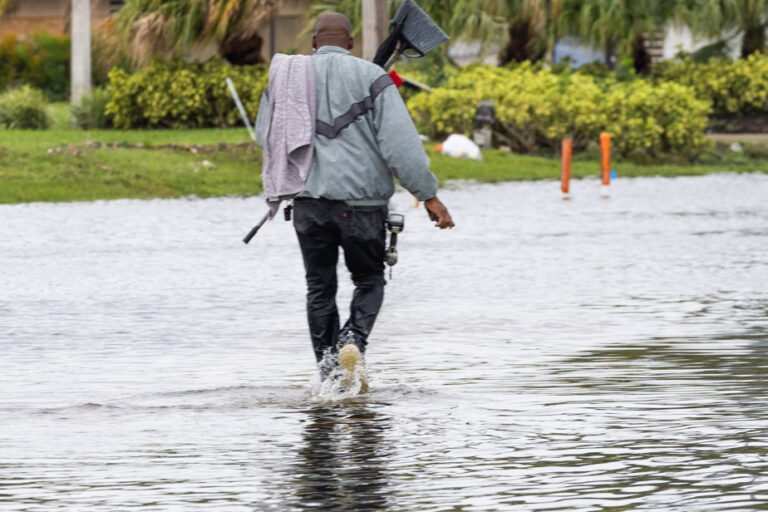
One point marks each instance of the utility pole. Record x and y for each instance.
(375, 25)
(80, 59)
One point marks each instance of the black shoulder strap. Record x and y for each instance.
(357, 109)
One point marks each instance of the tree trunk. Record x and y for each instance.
(640, 57)
(754, 40)
(375, 22)
(610, 55)
(80, 63)
(519, 47)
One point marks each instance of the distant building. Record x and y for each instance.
(52, 16)
(466, 53)
(283, 32)
(678, 38)
(663, 45)
(577, 53)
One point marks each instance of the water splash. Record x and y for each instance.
(340, 383)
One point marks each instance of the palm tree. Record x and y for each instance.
(478, 20)
(533, 29)
(616, 26)
(5, 5)
(730, 18)
(187, 27)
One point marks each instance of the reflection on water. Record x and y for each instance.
(341, 463)
(544, 355)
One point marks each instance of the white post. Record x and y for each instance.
(375, 24)
(81, 50)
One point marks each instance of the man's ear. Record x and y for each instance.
(351, 43)
(314, 42)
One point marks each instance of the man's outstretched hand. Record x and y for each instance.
(438, 213)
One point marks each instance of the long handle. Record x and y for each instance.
(252, 233)
(240, 107)
(392, 60)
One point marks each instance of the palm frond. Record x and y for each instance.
(173, 27)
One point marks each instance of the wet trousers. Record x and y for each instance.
(323, 226)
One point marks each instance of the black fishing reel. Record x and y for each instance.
(395, 224)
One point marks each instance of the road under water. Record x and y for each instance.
(590, 354)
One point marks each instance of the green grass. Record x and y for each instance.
(60, 115)
(59, 165)
(498, 166)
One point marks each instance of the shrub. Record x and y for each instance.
(734, 87)
(41, 61)
(533, 107)
(432, 69)
(537, 108)
(667, 117)
(23, 108)
(183, 95)
(109, 51)
(91, 114)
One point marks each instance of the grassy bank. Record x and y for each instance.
(68, 165)
(71, 165)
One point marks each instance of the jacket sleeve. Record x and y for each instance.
(262, 120)
(400, 145)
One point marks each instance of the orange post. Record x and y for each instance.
(605, 162)
(565, 166)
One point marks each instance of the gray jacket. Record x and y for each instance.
(364, 136)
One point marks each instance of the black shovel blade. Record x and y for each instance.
(417, 29)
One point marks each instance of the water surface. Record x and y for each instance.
(544, 355)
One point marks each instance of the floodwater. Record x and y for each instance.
(592, 354)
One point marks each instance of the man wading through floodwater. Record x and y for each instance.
(363, 139)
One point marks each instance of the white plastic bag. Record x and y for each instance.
(460, 146)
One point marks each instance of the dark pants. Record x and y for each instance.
(322, 227)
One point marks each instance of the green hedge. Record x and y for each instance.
(536, 109)
(41, 61)
(183, 95)
(734, 87)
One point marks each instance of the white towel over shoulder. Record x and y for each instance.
(290, 127)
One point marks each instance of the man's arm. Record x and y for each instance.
(400, 145)
(402, 149)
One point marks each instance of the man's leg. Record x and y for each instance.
(319, 241)
(363, 238)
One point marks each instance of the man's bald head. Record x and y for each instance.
(333, 29)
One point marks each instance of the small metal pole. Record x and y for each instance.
(565, 168)
(605, 163)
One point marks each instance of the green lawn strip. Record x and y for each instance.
(58, 165)
(28, 140)
(498, 166)
(117, 172)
